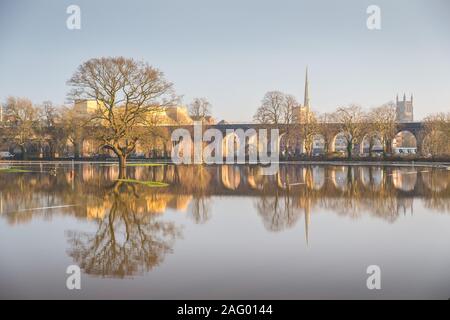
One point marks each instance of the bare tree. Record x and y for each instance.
(127, 92)
(288, 115)
(272, 109)
(73, 126)
(289, 120)
(49, 129)
(384, 124)
(351, 120)
(437, 134)
(21, 123)
(308, 129)
(326, 130)
(199, 109)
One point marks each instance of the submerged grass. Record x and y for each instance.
(135, 165)
(153, 184)
(144, 164)
(13, 170)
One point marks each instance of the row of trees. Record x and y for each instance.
(378, 125)
(45, 127)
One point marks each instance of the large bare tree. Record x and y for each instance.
(351, 122)
(127, 93)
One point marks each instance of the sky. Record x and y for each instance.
(233, 52)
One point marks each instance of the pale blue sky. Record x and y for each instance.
(232, 52)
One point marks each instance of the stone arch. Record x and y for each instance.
(377, 177)
(367, 147)
(230, 176)
(254, 178)
(340, 175)
(318, 144)
(433, 143)
(242, 144)
(364, 175)
(338, 143)
(405, 142)
(429, 147)
(88, 147)
(290, 176)
(404, 179)
(283, 144)
(318, 177)
(251, 147)
(231, 145)
(435, 180)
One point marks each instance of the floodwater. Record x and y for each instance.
(224, 232)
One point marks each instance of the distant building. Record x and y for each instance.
(3, 112)
(405, 110)
(166, 116)
(303, 113)
(85, 106)
(175, 115)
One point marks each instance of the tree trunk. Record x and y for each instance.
(349, 150)
(387, 147)
(51, 151)
(76, 150)
(122, 166)
(23, 150)
(325, 147)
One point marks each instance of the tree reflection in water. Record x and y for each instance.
(132, 238)
(126, 242)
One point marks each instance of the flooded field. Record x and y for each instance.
(225, 232)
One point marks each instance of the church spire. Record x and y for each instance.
(306, 101)
(307, 222)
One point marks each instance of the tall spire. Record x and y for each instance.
(307, 222)
(306, 101)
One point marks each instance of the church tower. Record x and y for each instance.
(306, 99)
(302, 113)
(405, 109)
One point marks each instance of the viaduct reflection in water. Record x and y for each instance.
(131, 237)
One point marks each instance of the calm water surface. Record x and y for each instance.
(225, 232)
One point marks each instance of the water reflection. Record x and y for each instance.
(128, 241)
(130, 238)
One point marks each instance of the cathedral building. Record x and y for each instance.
(405, 109)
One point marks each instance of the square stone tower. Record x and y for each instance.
(405, 110)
